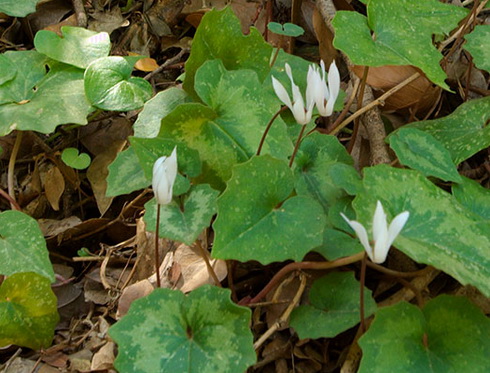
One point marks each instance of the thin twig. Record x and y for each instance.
(167, 63)
(379, 101)
(361, 293)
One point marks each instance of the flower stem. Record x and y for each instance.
(269, 125)
(361, 295)
(296, 147)
(157, 256)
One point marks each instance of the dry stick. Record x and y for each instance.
(210, 268)
(11, 167)
(157, 256)
(80, 13)
(269, 125)
(304, 265)
(379, 101)
(346, 107)
(167, 63)
(296, 147)
(285, 316)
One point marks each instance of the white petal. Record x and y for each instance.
(282, 93)
(361, 234)
(333, 87)
(396, 226)
(164, 174)
(380, 234)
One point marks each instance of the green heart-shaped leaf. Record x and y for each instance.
(36, 101)
(475, 44)
(168, 331)
(110, 86)
(22, 246)
(16, 8)
(449, 335)
(288, 29)
(256, 219)
(333, 308)
(186, 223)
(78, 161)
(28, 311)
(77, 46)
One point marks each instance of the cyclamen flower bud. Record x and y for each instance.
(164, 174)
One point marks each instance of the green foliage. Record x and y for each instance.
(229, 129)
(28, 311)
(473, 196)
(402, 34)
(464, 132)
(17, 8)
(169, 332)
(219, 36)
(36, 101)
(75, 160)
(257, 218)
(333, 308)
(184, 220)
(77, 46)
(126, 174)
(110, 86)
(449, 335)
(440, 232)
(22, 246)
(477, 44)
(288, 29)
(149, 120)
(421, 151)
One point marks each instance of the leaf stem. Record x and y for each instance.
(303, 265)
(210, 268)
(361, 293)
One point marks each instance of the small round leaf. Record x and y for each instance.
(75, 160)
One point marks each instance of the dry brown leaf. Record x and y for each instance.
(325, 39)
(130, 294)
(97, 174)
(104, 358)
(96, 135)
(70, 21)
(53, 227)
(107, 21)
(54, 186)
(420, 93)
(146, 64)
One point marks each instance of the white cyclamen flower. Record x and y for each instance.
(383, 236)
(164, 174)
(324, 95)
(302, 114)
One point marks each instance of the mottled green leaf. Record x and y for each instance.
(337, 244)
(8, 70)
(421, 151)
(439, 232)
(397, 32)
(473, 196)
(28, 311)
(229, 129)
(317, 155)
(150, 118)
(17, 8)
(464, 132)
(110, 86)
(450, 335)
(333, 308)
(184, 223)
(477, 44)
(22, 246)
(126, 174)
(256, 219)
(36, 101)
(77, 46)
(219, 36)
(203, 332)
